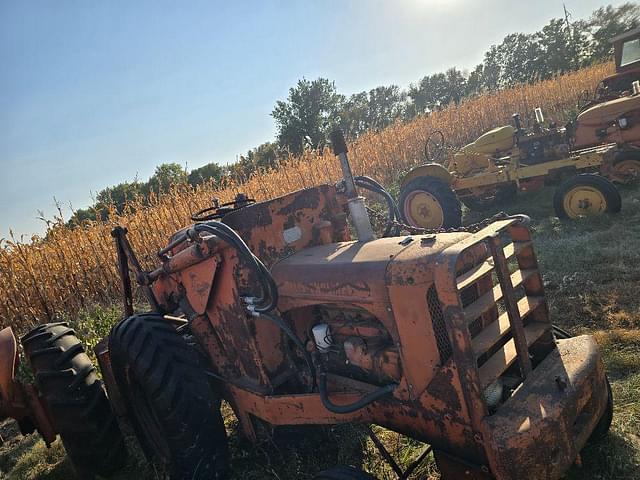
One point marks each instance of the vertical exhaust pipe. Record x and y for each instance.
(359, 215)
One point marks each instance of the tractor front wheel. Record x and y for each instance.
(586, 195)
(172, 408)
(75, 397)
(428, 202)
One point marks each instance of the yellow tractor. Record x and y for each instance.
(491, 170)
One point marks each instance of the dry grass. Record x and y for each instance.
(69, 270)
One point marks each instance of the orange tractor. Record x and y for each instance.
(276, 308)
(613, 114)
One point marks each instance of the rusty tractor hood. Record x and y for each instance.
(354, 271)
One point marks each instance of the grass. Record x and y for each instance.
(591, 275)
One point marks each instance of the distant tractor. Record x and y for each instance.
(277, 309)
(604, 139)
(613, 114)
(490, 171)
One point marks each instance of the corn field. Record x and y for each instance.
(73, 268)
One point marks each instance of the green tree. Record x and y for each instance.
(308, 114)
(561, 47)
(166, 175)
(372, 110)
(475, 81)
(118, 195)
(605, 23)
(206, 172)
(520, 56)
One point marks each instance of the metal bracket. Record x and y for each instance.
(402, 474)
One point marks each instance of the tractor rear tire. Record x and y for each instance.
(626, 166)
(344, 473)
(429, 202)
(586, 194)
(79, 407)
(172, 407)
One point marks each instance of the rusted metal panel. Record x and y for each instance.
(280, 227)
(17, 400)
(104, 361)
(538, 432)
(8, 361)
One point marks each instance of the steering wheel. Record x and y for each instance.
(585, 100)
(219, 211)
(434, 146)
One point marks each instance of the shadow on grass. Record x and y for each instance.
(614, 458)
(297, 452)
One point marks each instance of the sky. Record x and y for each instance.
(96, 93)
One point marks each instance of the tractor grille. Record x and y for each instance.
(438, 324)
(502, 298)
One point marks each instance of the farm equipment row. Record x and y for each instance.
(586, 157)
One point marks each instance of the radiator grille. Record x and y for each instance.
(439, 327)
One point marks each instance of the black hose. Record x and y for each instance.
(352, 407)
(269, 295)
(393, 213)
(279, 321)
(560, 333)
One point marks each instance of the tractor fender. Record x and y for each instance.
(428, 170)
(8, 362)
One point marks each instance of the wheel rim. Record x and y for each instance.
(583, 200)
(422, 209)
(627, 170)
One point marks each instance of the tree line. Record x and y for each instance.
(314, 107)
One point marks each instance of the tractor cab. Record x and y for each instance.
(627, 58)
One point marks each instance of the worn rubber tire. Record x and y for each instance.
(443, 193)
(79, 407)
(344, 473)
(172, 408)
(604, 424)
(606, 188)
(632, 156)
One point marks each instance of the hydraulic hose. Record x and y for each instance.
(393, 213)
(268, 299)
(279, 321)
(352, 407)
